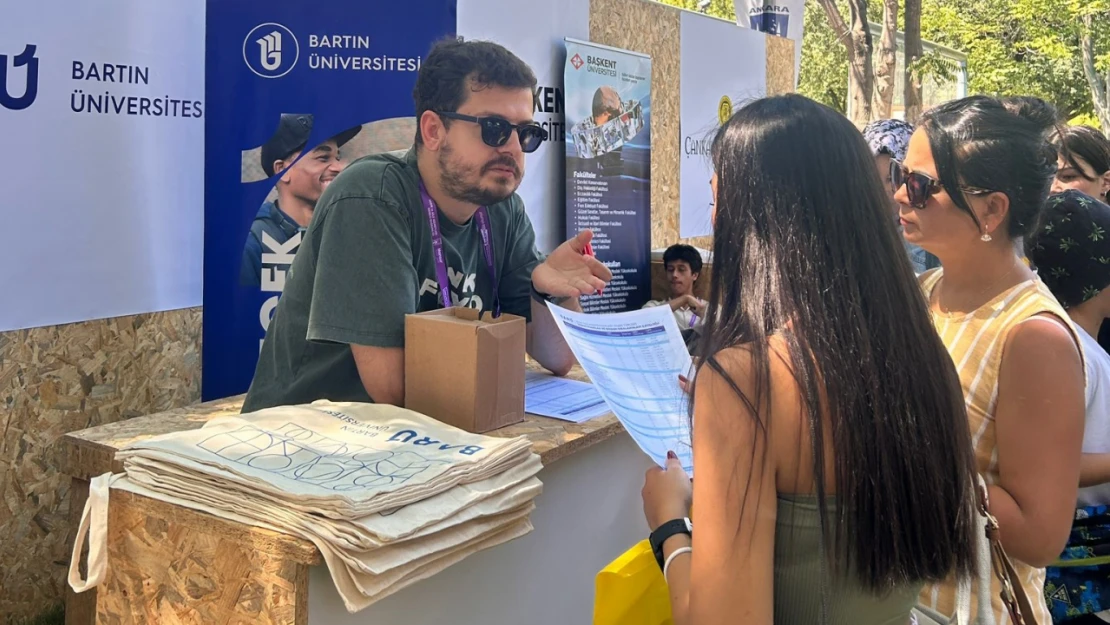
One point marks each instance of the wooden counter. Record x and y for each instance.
(168, 564)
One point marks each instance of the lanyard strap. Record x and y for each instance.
(484, 230)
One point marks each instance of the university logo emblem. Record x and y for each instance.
(31, 84)
(724, 109)
(270, 50)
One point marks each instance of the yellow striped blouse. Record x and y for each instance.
(975, 341)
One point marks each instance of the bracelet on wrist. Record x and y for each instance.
(670, 558)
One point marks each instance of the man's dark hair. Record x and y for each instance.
(685, 253)
(454, 67)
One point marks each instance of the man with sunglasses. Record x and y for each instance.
(438, 226)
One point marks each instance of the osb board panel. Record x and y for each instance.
(780, 65)
(652, 29)
(91, 452)
(60, 379)
(168, 565)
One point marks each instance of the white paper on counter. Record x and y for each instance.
(550, 396)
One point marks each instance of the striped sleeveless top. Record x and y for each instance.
(975, 341)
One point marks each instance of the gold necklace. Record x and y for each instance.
(992, 285)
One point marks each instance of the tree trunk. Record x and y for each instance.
(1100, 85)
(888, 62)
(913, 52)
(857, 41)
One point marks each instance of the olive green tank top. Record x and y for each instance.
(799, 572)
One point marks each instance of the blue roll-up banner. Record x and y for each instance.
(608, 122)
(294, 93)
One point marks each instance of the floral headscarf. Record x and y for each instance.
(1071, 247)
(888, 136)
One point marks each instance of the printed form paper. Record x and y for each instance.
(634, 360)
(559, 398)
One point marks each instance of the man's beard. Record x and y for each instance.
(453, 178)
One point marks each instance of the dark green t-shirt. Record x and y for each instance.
(366, 262)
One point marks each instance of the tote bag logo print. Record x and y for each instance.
(31, 85)
(303, 455)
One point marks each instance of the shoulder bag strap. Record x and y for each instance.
(1013, 593)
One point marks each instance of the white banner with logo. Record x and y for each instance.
(534, 31)
(102, 121)
(783, 18)
(722, 67)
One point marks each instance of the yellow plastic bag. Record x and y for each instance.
(632, 591)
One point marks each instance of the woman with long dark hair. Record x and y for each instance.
(975, 178)
(832, 458)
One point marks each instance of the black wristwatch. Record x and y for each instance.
(665, 531)
(544, 297)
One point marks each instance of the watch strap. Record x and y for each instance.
(665, 531)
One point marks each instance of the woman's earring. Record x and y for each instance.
(986, 238)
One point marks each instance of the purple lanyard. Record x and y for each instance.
(482, 216)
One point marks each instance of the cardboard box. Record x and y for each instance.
(464, 370)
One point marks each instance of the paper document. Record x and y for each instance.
(559, 398)
(634, 360)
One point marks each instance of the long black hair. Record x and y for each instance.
(803, 238)
(982, 142)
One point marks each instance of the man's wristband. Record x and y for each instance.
(544, 297)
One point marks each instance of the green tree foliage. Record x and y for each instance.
(1020, 47)
(1014, 47)
(723, 9)
(824, 74)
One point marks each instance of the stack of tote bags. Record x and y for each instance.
(388, 496)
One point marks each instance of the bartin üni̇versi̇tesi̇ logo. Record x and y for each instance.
(271, 50)
(31, 84)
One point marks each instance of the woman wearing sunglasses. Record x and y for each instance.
(974, 179)
(830, 444)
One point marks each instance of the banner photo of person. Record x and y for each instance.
(297, 94)
(608, 120)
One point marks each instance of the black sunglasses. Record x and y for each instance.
(496, 131)
(920, 187)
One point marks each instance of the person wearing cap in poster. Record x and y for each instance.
(299, 187)
(437, 227)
